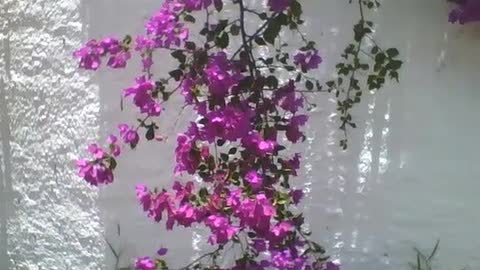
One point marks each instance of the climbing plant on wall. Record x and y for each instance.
(246, 118)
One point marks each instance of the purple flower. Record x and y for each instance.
(259, 245)
(278, 5)
(188, 87)
(287, 260)
(193, 5)
(187, 157)
(307, 61)
(466, 12)
(94, 173)
(222, 230)
(141, 92)
(254, 179)
(164, 25)
(331, 266)
(286, 98)
(119, 60)
(143, 196)
(162, 251)
(89, 55)
(129, 135)
(296, 195)
(293, 129)
(230, 123)
(257, 144)
(218, 76)
(280, 231)
(145, 263)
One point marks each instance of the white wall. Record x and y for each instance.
(53, 220)
(409, 177)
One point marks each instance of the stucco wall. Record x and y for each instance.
(52, 109)
(409, 177)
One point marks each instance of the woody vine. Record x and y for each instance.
(243, 111)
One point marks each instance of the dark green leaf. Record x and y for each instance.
(235, 29)
(309, 85)
(189, 18)
(222, 40)
(392, 52)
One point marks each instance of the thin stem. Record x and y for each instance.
(201, 257)
(244, 38)
(264, 25)
(352, 77)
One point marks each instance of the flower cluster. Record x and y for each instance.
(90, 55)
(100, 169)
(235, 145)
(467, 11)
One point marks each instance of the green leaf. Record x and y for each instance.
(309, 85)
(235, 30)
(296, 9)
(176, 74)
(224, 157)
(232, 151)
(112, 163)
(272, 31)
(150, 135)
(203, 194)
(392, 52)
(189, 18)
(317, 248)
(127, 40)
(189, 45)
(274, 27)
(395, 64)
(178, 54)
(260, 41)
(222, 40)
(271, 82)
(380, 58)
(221, 26)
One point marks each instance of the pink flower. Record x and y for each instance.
(141, 92)
(257, 144)
(187, 156)
(129, 135)
(144, 197)
(186, 215)
(280, 231)
(278, 5)
(230, 123)
(222, 230)
(254, 179)
(218, 76)
(145, 263)
(164, 26)
(91, 53)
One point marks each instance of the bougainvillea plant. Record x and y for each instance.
(246, 118)
(466, 11)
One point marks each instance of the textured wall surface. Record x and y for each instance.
(409, 177)
(53, 220)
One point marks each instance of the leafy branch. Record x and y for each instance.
(348, 87)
